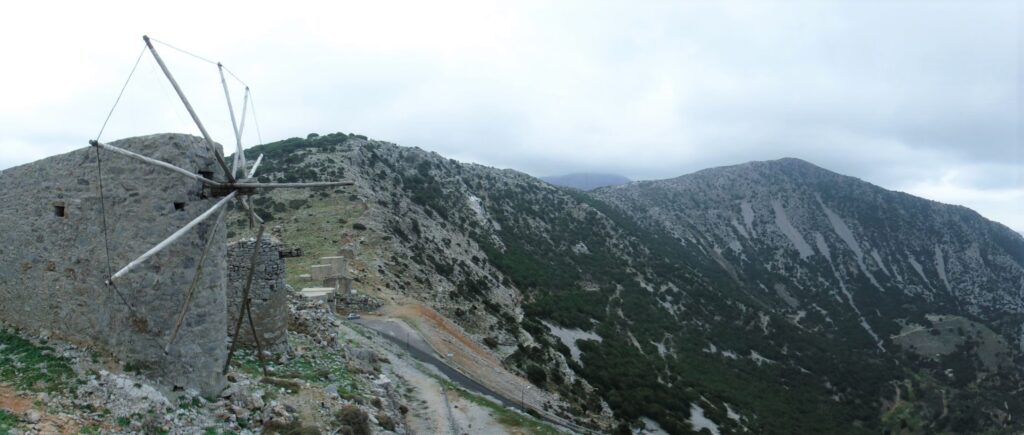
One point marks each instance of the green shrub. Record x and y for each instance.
(536, 375)
(355, 419)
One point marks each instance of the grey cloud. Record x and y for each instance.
(901, 94)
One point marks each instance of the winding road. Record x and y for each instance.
(417, 347)
(420, 350)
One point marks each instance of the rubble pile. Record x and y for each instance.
(320, 385)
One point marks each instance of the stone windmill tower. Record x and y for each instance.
(238, 184)
(155, 204)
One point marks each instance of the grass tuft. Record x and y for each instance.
(28, 367)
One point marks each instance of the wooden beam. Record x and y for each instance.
(195, 281)
(291, 185)
(234, 123)
(248, 208)
(156, 162)
(241, 128)
(255, 336)
(172, 238)
(245, 297)
(252, 172)
(191, 111)
(252, 213)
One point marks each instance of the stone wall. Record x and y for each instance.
(53, 266)
(268, 293)
(347, 302)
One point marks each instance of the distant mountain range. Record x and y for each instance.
(765, 297)
(586, 181)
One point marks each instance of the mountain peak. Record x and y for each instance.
(791, 169)
(786, 163)
(791, 161)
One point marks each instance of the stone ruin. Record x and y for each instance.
(336, 280)
(53, 264)
(287, 251)
(268, 293)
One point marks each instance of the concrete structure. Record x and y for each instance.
(339, 266)
(320, 272)
(339, 278)
(53, 266)
(268, 293)
(323, 293)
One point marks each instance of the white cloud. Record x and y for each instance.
(970, 186)
(889, 92)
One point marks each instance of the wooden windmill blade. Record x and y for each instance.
(155, 162)
(252, 172)
(237, 187)
(245, 185)
(231, 113)
(197, 276)
(172, 238)
(191, 111)
(195, 281)
(251, 212)
(241, 127)
(244, 309)
(236, 125)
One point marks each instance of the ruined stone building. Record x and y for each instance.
(53, 261)
(268, 293)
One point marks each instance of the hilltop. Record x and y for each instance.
(768, 296)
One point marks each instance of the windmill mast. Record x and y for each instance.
(237, 188)
(191, 111)
(239, 156)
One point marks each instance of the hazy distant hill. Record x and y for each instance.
(767, 297)
(586, 181)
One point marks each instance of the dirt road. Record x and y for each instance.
(515, 393)
(419, 349)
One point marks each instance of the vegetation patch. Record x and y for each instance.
(318, 366)
(355, 420)
(943, 335)
(7, 422)
(504, 415)
(315, 227)
(28, 367)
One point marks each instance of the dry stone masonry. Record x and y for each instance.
(288, 251)
(53, 264)
(268, 292)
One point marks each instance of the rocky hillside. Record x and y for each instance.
(769, 297)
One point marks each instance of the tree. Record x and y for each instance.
(536, 375)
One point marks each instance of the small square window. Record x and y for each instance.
(206, 174)
(179, 206)
(58, 210)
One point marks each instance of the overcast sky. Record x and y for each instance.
(923, 97)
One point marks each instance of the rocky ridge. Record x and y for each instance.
(770, 296)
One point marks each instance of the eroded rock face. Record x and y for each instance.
(53, 265)
(268, 293)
